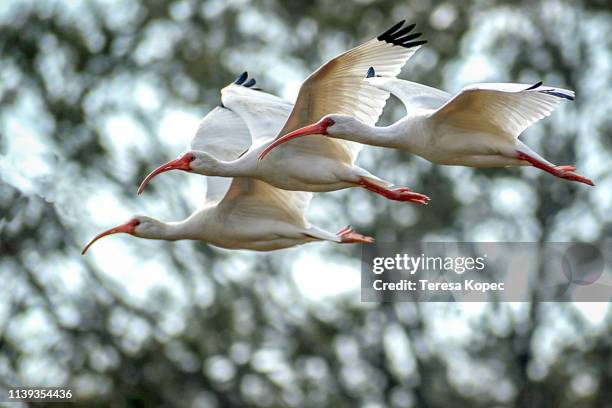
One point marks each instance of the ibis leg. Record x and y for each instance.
(564, 172)
(348, 236)
(397, 194)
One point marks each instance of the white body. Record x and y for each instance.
(446, 144)
(253, 220)
(303, 165)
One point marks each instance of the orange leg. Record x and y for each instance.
(348, 236)
(397, 194)
(564, 172)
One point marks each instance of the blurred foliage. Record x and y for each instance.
(221, 337)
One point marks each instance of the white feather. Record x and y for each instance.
(504, 109)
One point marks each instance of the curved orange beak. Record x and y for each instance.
(319, 128)
(181, 163)
(127, 228)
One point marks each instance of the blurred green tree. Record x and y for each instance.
(85, 91)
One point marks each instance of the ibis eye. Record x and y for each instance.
(330, 122)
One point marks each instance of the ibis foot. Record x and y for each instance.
(565, 172)
(397, 194)
(348, 236)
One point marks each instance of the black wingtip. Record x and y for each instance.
(558, 94)
(414, 44)
(241, 78)
(371, 72)
(391, 30)
(399, 36)
(553, 91)
(534, 86)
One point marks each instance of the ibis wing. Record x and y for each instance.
(247, 117)
(338, 85)
(263, 113)
(252, 198)
(503, 109)
(413, 96)
(224, 135)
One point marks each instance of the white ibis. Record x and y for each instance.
(238, 213)
(478, 127)
(313, 164)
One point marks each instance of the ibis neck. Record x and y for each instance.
(186, 229)
(234, 168)
(174, 231)
(384, 136)
(190, 228)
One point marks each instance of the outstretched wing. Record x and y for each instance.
(252, 198)
(263, 113)
(414, 97)
(338, 86)
(224, 135)
(228, 131)
(504, 109)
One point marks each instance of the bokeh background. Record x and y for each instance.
(94, 94)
